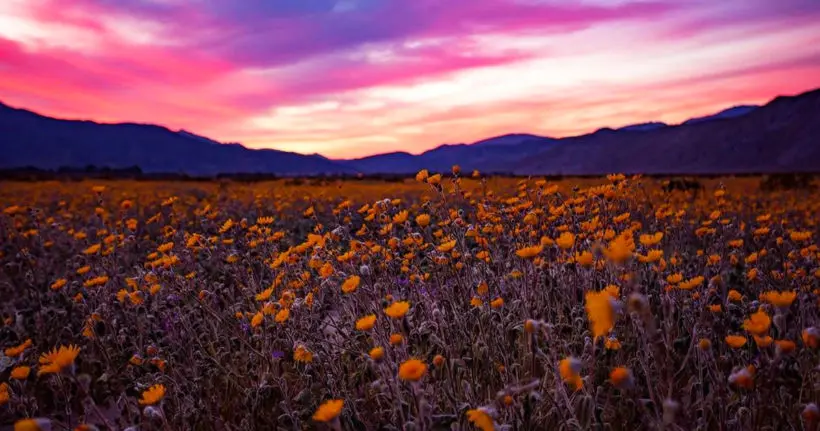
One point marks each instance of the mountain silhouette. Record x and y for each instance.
(780, 136)
(30, 139)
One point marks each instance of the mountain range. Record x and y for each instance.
(780, 136)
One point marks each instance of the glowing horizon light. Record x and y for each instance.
(358, 77)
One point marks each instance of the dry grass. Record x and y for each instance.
(251, 323)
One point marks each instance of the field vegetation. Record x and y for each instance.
(440, 302)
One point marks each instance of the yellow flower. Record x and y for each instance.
(620, 377)
(58, 360)
(376, 353)
(19, 349)
(758, 323)
(396, 339)
(264, 295)
(691, 283)
(569, 368)
(351, 284)
(20, 373)
(257, 319)
(423, 220)
(397, 310)
(566, 240)
(36, 424)
(302, 354)
(422, 175)
(282, 316)
(778, 299)
(328, 411)
(412, 370)
(366, 323)
(153, 395)
(529, 252)
(735, 341)
(481, 419)
(447, 246)
(599, 312)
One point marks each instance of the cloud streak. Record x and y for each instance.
(353, 77)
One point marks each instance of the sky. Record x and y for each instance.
(348, 78)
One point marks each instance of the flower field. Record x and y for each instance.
(441, 302)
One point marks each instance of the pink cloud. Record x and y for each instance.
(223, 68)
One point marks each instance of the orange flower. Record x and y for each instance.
(600, 312)
(620, 377)
(366, 323)
(481, 419)
(735, 341)
(351, 284)
(569, 368)
(153, 395)
(412, 370)
(329, 410)
(758, 323)
(20, 373)
(566, 240)
(529, 252)
(397, 310)
(778, 299)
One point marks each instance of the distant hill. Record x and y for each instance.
(781, 136)
(30, 139)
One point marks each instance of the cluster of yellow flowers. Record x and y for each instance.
(436, 301)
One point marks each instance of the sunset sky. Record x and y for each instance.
(347, 78)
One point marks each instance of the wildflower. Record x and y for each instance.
(264, 295)
(734, 296)
(566, 240)
(366, 323)
(476, 301)
(650, 240)
(412, 370)
(328, 411)
(351, 284)
(674, 278)
(58, 284)
(758, 323)
(434, 179)
(438, 360)
(302, 354)
(742, 378)
(497, 302)
(612, 343)
(811, 337)
(58, 359)
(396, 339)
(423, 220)
(20, 373)
(621, 377)
(397, 310)
(152, 395)
(785, 346)
(422, 175)
(779, 299)
(763, 342)
(569, 368)
(257, 319)
(691, 283)
(5, 395)
(529, 252)
(600, 312)
(36, 424)
(481, 419)
(376, 353)
(282, 316)
(18, 350)
(735, 341)
(447, 246)
(704, 344)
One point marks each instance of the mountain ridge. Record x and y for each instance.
(770, 137)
